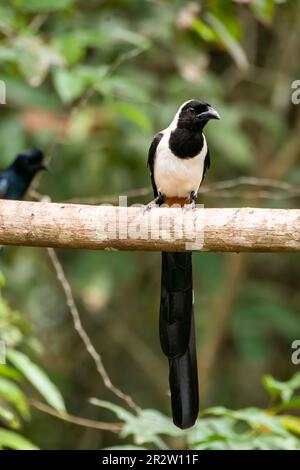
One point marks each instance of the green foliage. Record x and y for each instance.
(217, 428)
(14, 402)
(42, 5)
(283, 391)
(68, 85)
(37, 377)
(12, 393)
(265, 9)
(12, 440)
(144, 428)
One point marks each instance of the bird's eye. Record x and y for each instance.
(192, 111)
(202, 108)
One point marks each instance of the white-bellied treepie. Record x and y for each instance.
(178, 158)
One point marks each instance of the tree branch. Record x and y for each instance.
(87, 423)
(131, 228)
(84, 336)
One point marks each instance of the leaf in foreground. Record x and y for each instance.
(37, 377)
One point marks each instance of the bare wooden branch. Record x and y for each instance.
(160, 229)
(84, 336)
(87, 423)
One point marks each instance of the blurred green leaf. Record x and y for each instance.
(293, 403)
(264, 9)
(7, 54)
(230, 43)
(42, 5)
(148, 424)
(14, 395)
(22, 95)
(226, 433)
(284, 390)
(145, 427)
(73, 45)
(271, 442)
(120, 412)
(204, 31)
(122, 88)
(10, 372)
(37, 377)
(125, 447)
(8, 418)
(8, 19)
(254, 417)
(134, 114)
(12, 440)
(12, 127)
(69, 85)
(219, 434)
(291, 423)
(2, 279)
(208, 429)
(35, 58)
(229, 130)
(119, 33)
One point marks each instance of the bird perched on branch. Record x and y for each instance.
(16, 179)
(178, 159)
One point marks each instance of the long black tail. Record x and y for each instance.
(177, 336)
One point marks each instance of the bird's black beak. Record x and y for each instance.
(211, 113)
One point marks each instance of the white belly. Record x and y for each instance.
(177, 177)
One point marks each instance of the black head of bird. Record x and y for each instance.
(28, 163)
(195, 114)
(16, 179)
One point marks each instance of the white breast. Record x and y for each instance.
(177, 177)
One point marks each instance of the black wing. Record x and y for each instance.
(3, 187)
(151, 159)
(206, 163)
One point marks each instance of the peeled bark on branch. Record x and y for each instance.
(160, 229)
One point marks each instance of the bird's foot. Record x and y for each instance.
(192, 201)
(148, 207)
(190, 206)
(158, 201)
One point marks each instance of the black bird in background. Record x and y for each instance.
(178, 159)
(16, 179)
